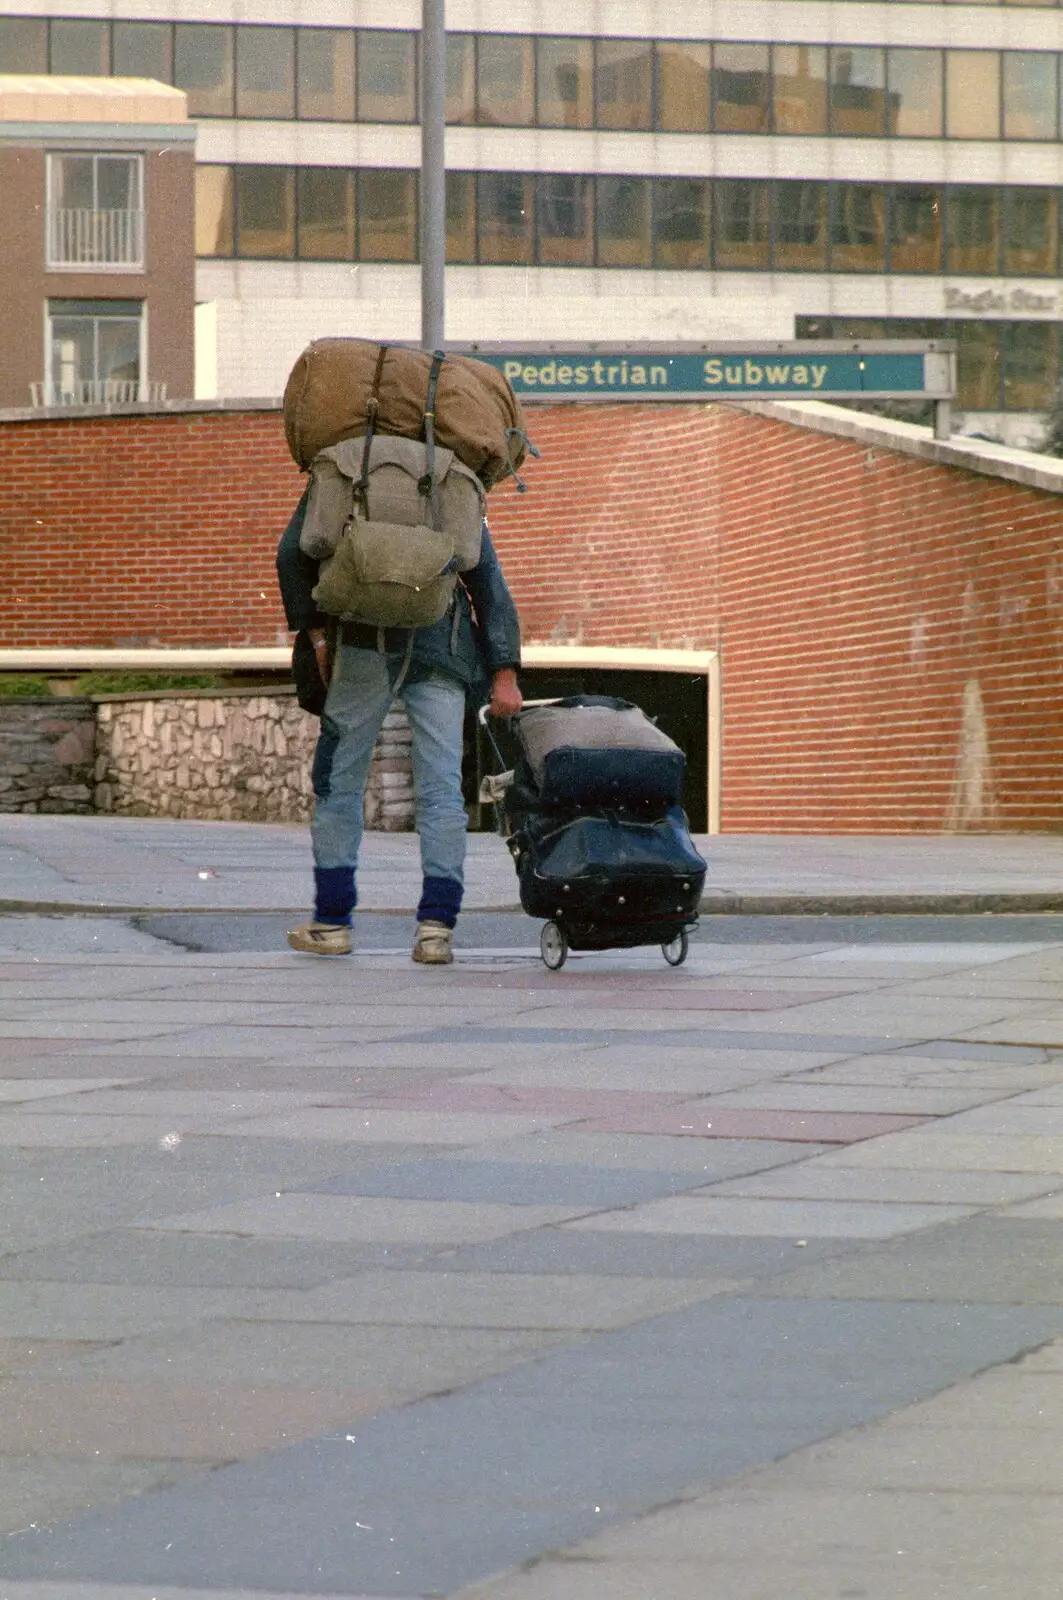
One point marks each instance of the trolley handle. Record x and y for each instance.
(483, 717)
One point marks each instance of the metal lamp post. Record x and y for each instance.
(433, 173)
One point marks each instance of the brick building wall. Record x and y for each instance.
(890, 626)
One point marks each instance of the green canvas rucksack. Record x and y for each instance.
(392, 521)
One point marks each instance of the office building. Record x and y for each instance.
(678, 169)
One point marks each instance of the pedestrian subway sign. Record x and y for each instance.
(800, 369)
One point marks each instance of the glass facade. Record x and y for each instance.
(566, 219)
(1001, 366)
(259, 71)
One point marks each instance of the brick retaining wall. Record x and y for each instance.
(889, 613)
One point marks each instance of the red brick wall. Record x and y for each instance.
(861, 598)
(143, 530)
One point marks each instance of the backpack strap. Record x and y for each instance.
(429, 484)
(361, 488)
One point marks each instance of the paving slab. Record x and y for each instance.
(21, 1090)
(154, 1591)
(702, 1071)
(113, 1311)
(638, 1255)
(94, 1418)
(519, 1183)
(592, 1434)
(647, 1152)
(984, 1259)
(705, 1119)
(377, 1125)
(39, 1489)
(498, 1299)
(136, 1256)
(807, 1095)
(397, 1363)
(362, 1220)
(933, 1148)
(823, 1219)
(808, 1180)
(582, 1578)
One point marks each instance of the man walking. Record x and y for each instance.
(474, 650)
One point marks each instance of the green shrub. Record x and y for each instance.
(139, 682)
(23, 686)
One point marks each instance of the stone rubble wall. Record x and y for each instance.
(241, 757)
(46, 755)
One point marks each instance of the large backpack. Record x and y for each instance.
(392, 521)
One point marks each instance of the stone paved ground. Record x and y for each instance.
(347, 1278)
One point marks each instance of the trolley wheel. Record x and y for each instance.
(553, 946)
(675, 950)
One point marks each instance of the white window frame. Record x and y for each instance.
(48, 394)
(54, 260)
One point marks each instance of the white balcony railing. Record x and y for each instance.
(78, 237)
(97, 392)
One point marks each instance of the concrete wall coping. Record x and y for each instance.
(973, 455)
(982, 456)
(143, 408)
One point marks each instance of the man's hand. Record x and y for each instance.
(319, 640)
(506, 698)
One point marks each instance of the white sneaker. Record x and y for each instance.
(321, 938)
(432, 946)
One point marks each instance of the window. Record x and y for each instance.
(800, 88)
(23, 44)
(915, 102)
(387, 216)
(858, 233)
(505, 81)
(461, 216)
(1031, 94)
(203, 67)
(858, 91)
(324, 76)
(95, 211)
(742, 224)
(565, 220)
(387, 76)
(799, 226)
(265, 212)
(682, 233)
(741, 88)
(214, 211)
(972, 94)
(565, 83)
(504, 205)
(80, 49)
(461, 78)
(265, 72)
(326, 214)
(915, 229)
(624, 222)
(142, 50)
(1030, 363)
(973, 230)
(684, 80)
(1031, 231)
(624, 83)
(95, 349)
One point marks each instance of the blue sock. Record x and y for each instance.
(440, 901)
(335, 896)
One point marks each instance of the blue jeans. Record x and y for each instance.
(359, 698)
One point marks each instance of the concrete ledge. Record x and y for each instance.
(883, 433)
(719, 903)
(145, 408)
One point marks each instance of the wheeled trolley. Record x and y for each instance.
(590, 811)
